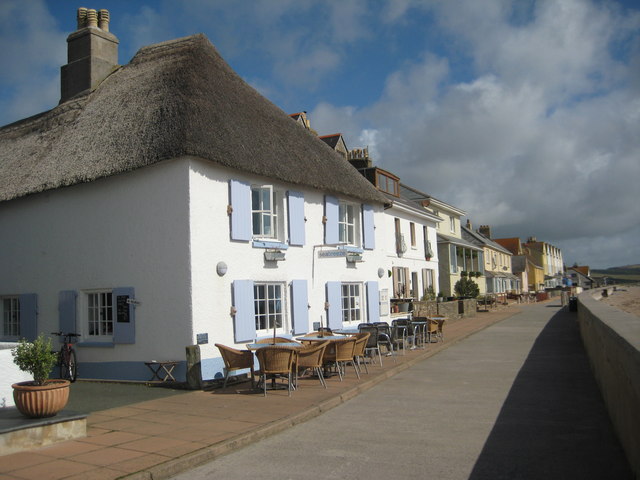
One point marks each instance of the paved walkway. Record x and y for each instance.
(163, 437)
(515, 401)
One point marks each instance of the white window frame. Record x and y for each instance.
(428, 277)
(10, 316)
(95, 312)
(348, 223)
(274, 299)
(273, 212)
(412, 235)
(351, 301)
(452, 224)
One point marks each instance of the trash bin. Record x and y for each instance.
(573, 304)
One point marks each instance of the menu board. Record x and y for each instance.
(122, 309)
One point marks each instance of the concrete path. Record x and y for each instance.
(514, 401)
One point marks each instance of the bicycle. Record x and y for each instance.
(67, 357)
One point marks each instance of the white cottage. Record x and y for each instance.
(165, 203)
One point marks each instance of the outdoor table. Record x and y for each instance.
(318, 338)
(161, 368)
(256, 346)
(347, 331)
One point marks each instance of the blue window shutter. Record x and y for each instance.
(373, 302)
(240, 199)
(124, 325)
(368, 229)
(334, 298)
(296, 218)
(67, 310)
(244, 319)
(300, 306)
(29, 316)
(331, 236)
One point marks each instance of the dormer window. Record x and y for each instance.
(387, 183)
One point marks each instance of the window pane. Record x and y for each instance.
(266, 199)
(266, 230)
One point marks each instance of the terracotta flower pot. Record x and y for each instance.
(41, 401)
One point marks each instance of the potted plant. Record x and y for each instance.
(41, 397)
(430, 295)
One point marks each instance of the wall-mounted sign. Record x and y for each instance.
(332, 253)
(384, 301)
(202, 338)
(122, 309)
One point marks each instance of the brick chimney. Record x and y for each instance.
(92, 53)
(485, 230)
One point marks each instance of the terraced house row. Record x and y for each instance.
(165, 204)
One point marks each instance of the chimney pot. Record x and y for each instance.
(103, 20)
(82, 17)
(92, 18)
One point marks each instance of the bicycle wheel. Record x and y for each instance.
(68, 365)
(62, 363)
(72, 366)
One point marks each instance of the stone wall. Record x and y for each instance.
(453, 309)
(612, 341)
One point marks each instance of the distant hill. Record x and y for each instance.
(626, 274)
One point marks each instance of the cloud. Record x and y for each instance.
(33, 48)
(541, 139)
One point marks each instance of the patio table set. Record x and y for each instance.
(327, 353)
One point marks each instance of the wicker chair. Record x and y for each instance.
(435, 330)
(372, 347)
(276, 362)
(235, 360)
(340, 353)
(325, 330)
(359, 350)
(311, 358)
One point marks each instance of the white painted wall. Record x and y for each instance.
(10, 374)
(210, 244)
(413, 258)
(162, 230)
(129, 230)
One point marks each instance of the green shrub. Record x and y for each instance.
(465, 287)
(36, 358)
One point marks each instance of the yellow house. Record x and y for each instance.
(498, 273)
(549, 258)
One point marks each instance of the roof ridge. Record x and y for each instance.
(150, 51)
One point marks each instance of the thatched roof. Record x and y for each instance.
(173, 99)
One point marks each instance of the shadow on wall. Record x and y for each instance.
(554, 423)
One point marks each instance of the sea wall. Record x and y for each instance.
(612, 340)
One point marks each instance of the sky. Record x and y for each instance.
(525, 114)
